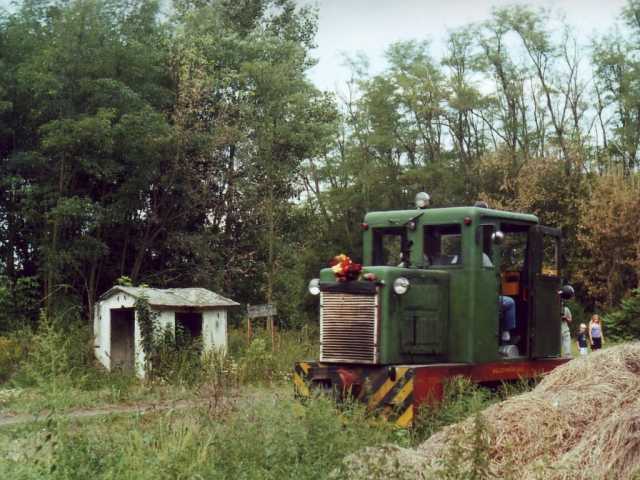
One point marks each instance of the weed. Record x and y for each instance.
(262, 361)
(12, 352)
(265, 435)
(461, 399)
(468, 456)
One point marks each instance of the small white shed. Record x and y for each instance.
(117, 333)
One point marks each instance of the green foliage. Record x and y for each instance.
(608, 239)
(170, 356)
(257, 362)
(624, 322)
(11, 354)
(461, 399)
(147, 319)
(262, 363)
(468, 458)
(191, 148)
(229, 432)
(19, 303)
(261, 434)
(276, 437)
(60, 355)
(135, 144)
(578, 315)
(124, 281)
(175, 359)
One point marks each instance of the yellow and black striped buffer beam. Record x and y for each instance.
(392, 396)
(386, 392)
(301, 379)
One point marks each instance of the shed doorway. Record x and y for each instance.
(122, 338)
(189, 329)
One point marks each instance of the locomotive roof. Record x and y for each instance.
(442, 215)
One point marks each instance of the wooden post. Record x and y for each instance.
(267, 312)
(275, 339)
(272, 330)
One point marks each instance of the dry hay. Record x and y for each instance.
(581, 422)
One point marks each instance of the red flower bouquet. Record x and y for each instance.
(344, 268)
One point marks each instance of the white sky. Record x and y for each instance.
(370, 26)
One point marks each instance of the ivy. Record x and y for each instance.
(147, 319)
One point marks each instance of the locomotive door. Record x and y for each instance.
(544, 305)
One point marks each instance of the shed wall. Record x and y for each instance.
(102, 326)
(214, 329)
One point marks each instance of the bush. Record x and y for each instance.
(624, 323)
(578, 314)
(175, 359)
(11, 354)
(19, 303)
(461, 399)
(58, 354)
(259, 361)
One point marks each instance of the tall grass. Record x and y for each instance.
(265, 435)
(54, 367)
(266, 360)
(270, 437)
(250, 427)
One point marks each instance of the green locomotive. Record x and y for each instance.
(429, 303)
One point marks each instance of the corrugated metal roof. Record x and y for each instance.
(175, 297)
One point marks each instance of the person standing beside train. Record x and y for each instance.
(596, 335)
(565, 332)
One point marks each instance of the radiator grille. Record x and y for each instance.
(348, 327)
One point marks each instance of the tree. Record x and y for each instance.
(609, 260)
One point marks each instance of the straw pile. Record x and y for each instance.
(581, 422)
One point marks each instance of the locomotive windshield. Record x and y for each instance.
(443, 245)
(391, 247)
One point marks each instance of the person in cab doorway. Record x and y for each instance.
(507, 307)
(582, 341)
(565, 332)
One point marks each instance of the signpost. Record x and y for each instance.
(258, 311)
(267, 311)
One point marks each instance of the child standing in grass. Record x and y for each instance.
(583, 346)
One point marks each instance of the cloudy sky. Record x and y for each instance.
(370, 26)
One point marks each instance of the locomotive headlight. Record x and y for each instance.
(422, 200)
(314, 286)
(401, 285)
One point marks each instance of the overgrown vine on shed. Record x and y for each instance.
(148, 328)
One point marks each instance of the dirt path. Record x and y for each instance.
(140, 408)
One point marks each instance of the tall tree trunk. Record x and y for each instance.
(55, 233)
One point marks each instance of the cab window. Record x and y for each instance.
(443, 245)
(514, 248)
(390, 247)
(486, 233)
